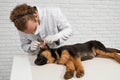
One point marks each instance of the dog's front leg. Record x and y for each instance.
(69, 70)
(66, 60)
(78, 66)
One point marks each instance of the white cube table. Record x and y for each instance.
(96, 69)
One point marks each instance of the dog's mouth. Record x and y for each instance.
(41, 61)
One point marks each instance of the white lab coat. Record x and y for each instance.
(52, 21)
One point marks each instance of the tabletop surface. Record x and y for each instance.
(96, 69)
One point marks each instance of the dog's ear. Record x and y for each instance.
(43, 45)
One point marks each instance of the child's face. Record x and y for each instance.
(31, 27)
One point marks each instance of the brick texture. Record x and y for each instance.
(91, 20)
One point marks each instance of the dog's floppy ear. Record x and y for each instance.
(43, 45)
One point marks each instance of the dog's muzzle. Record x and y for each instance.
(41, 60)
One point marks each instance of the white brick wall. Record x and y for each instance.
(91, 19)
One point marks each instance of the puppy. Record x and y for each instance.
(72, 55)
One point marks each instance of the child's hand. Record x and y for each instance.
(34, 45)
(51, 38)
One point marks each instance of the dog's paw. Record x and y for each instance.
(80, 74)
(69, 75)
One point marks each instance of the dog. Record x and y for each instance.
(72, 55)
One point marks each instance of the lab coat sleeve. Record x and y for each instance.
(25, 43)
(65, 29)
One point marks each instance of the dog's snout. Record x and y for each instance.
(41, 61)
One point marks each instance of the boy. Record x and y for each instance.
(47, 24)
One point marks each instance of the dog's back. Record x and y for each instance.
(85, 50)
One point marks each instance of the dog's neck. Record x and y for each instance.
(57, 52)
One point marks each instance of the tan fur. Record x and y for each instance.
(58, 57)
(113, 55)
(64, 57)
(47, 54)
(70, 68)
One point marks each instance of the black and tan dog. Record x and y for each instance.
(72, 55)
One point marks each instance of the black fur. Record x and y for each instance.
(82, 49)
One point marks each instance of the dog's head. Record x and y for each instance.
(44, 56)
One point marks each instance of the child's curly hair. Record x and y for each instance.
(21, 14)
